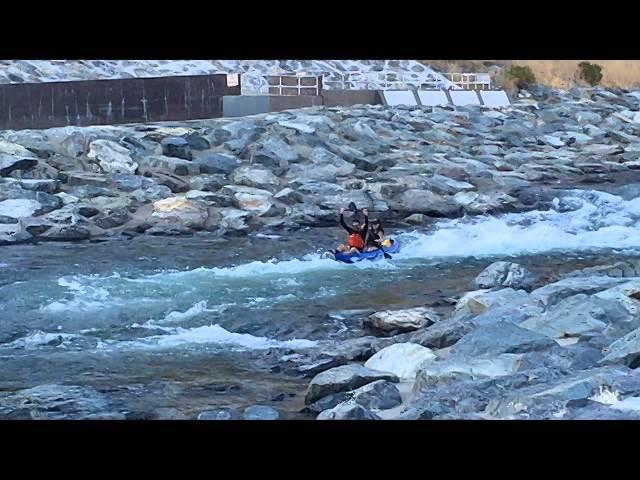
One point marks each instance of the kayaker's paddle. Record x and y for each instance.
(354, 209)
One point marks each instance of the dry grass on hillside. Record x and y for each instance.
(555, 73)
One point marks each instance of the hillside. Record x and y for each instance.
(554, 73)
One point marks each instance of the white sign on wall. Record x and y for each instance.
(232, 80)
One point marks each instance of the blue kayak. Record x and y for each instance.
(372, 255)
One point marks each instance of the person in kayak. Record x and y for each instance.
(357, 233)
(375, 235)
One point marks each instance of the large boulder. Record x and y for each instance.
(151, 194)
(434, 374)
(625, 351)
(207, 183)
(428, 203)
(348, 411)
(506, 275)
(479, 203)
(440, 335)
(113, 218)
(553, 293)
(181, 211)
(11, 232)
(478, 301)
(259, 202)
(173, 165)
(274, 153)
(66, 233)
(378, 395)
(112, 157)
(345, 377)
(255, 177)
(216, 163)
(581, 315)
(402, 320)
(501, 337)
(129, 183)
(9, 164)
(19, 208)
(401, 359)
(233, 220)
(177, 147)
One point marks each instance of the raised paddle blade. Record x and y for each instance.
(352, 207)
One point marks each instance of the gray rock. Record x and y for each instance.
(166, 164)
(207, 183)
(175, 184)
(112, 157)
(255, 177)
(348, 411)
(501, 337)
(113, 219)
(579, 315)
(215, 163)
(274, 153)
(67, 233)
(9, 164)
(196, 142)
(177, 147)
(624, 351)
(40, 185)
(428, 203)
(504, 274)
(346, 377)
(8, 220)
(151, 194)
(452, 370)
(87, 211)
(401, 359)
(479, 301)
(328, 402)
(402, 320)
(551, 294)
(13, 233)
(378, 395)
(440, 335)
(220, 414)
(546, 399)
(75, 145)
(260, 412)
(86, 180)
(288, 196)
(416, 219)
(129, 183)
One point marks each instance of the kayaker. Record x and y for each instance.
(357, 233)
(375, 235)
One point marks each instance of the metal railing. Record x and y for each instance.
(292, 85)
(470, 81)
(383, 81)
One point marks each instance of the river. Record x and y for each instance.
(159, 327)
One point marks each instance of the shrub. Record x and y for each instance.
(522, 77)
(590, 73)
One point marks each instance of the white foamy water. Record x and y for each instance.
(207, 335)
(39, 339)
(599, 220)
(606, 396)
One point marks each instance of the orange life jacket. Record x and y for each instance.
(355, 240)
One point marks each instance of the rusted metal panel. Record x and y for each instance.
(106, 102)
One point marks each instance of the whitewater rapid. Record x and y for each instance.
(174, 309)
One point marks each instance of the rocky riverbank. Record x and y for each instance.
(293, 169)
(519, 348)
